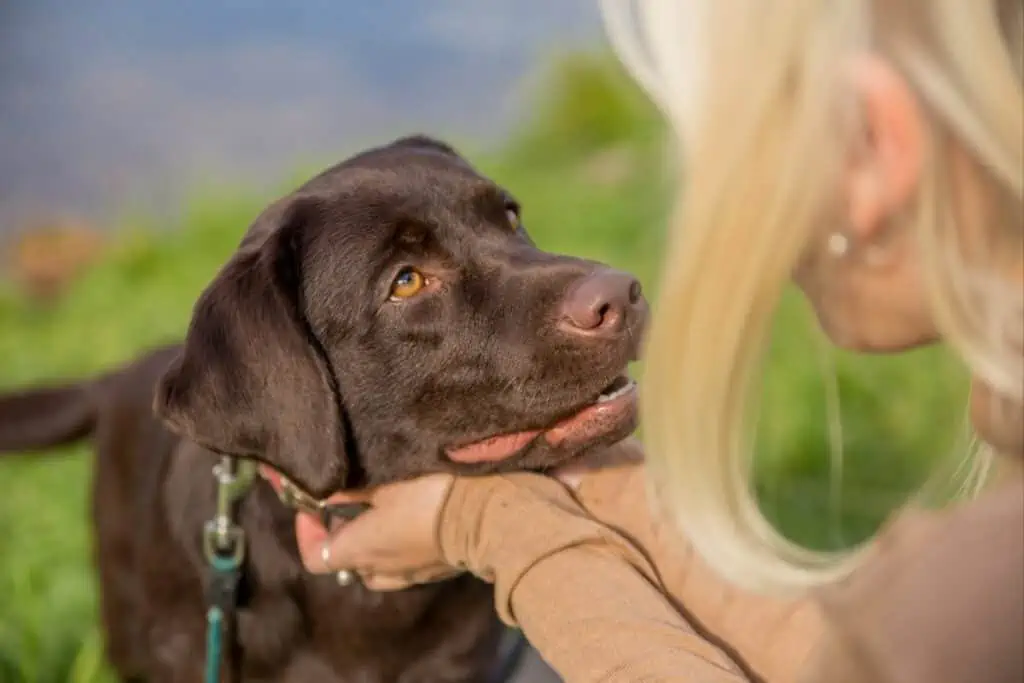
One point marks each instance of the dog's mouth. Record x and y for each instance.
(614, 409)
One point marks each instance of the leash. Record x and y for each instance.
(224, 543)
(224, 549)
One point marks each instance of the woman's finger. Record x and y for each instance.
(386, 583)
(325, 552)
(310, 535)
(397, 534)
(357, 544)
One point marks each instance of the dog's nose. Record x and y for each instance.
(599, 304)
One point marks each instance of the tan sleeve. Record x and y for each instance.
(771, 637)
(940, 601)
(583, 595)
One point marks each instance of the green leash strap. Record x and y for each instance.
(214, 639)
(222, 591)
(224, 548)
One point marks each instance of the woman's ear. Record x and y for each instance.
(884, 168)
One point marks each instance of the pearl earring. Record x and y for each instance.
(838, 244)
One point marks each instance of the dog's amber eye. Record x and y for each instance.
(408, 283)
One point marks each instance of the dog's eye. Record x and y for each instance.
(408, 283)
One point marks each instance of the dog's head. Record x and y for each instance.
(392, 318)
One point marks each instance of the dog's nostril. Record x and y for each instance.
(601, 302)
(635, 292)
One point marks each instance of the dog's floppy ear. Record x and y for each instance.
(252, 379)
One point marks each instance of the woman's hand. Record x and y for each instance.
(396, 543)
(391, 546)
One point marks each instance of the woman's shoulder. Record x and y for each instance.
(941, 596)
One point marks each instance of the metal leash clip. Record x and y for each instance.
(221, 534)
(292, 496)
(224, 548)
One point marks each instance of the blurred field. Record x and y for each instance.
(588, 171)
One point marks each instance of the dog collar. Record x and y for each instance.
(291, 495)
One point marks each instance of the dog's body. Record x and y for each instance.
(152, 492)
(310, 354)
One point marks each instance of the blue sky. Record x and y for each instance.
(112, 103)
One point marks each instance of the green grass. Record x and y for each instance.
(587, 171)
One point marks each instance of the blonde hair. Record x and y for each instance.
(757, 94)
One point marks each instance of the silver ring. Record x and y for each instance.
(325, 556)
(346, 577)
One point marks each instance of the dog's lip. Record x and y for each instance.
(614, 406)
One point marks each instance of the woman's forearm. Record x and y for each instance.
(610, 624)
(773, 637)
(582, 594)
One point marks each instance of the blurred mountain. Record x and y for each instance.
(107, 104)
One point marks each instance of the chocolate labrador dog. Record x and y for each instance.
(388, 319)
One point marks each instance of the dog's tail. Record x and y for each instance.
(46, 417)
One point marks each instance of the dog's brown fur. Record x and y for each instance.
(297, 358)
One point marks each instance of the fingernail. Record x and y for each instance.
(325, 555)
